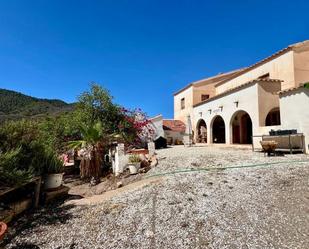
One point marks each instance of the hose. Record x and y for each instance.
(190, 170)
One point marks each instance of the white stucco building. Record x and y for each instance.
(172, 130)
(237, 106)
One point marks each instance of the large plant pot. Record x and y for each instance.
(53, 181)
(134, 168)
(3, 228)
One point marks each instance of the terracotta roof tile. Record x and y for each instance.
(174, 125)
(306, 85)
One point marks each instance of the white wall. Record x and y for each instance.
(157, 124)
(175, 135)
(294, 106)
(181, 114)
(247, 101)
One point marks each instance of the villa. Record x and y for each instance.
(239, 107)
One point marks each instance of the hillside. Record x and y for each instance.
(15, 105)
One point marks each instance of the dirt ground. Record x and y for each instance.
(108, 183)
(201, 197)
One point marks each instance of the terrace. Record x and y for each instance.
(191, 197)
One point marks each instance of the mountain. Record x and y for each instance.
(15, 105)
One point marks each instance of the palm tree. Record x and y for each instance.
(90, 148)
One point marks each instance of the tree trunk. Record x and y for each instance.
(91, 168)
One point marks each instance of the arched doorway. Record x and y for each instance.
(241, 128)
(218, 130)
(273, 117)
(201, 131)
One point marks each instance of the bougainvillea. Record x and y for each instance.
(135, 127)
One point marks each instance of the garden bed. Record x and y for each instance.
(16, 200)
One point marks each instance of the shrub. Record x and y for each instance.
(34, 151)
(46, 161)
(52, 163)
(133, 159)
(10, 173)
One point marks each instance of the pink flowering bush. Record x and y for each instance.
(135, 127)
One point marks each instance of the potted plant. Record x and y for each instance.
(54, 168)
(134, 163)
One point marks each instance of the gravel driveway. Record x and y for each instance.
(251, 207)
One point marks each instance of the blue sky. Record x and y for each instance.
(141, 50)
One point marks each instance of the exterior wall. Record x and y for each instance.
(281, 68)
(193, 94)
(157, 124)
(301, 63)
(294, 112)
(247, 101)
(257, 99)
(174, 135)
(268, 99)
(198, 91)
(188, 110)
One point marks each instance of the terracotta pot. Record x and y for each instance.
(3, 228)
(53, 181)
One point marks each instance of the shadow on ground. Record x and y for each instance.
(51, 214)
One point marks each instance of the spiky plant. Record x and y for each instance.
(90, 146)
(10, 173)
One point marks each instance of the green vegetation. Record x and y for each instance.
(51, 163)
(92, 144)
(134, 159)
(15, 106)
(31, 147)
(10, 174)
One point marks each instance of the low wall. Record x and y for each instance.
(262, 130)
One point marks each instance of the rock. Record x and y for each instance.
(119, 184)
(149, 234)
(142, 157)
(184, 224)
(145, 164)
(153, 161)
(94, 182)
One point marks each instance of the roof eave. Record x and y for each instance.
(248, 69)
(210, 80)
(183, 89)
(252, 82)
(303, 85)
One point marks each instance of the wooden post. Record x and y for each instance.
(37, 191)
